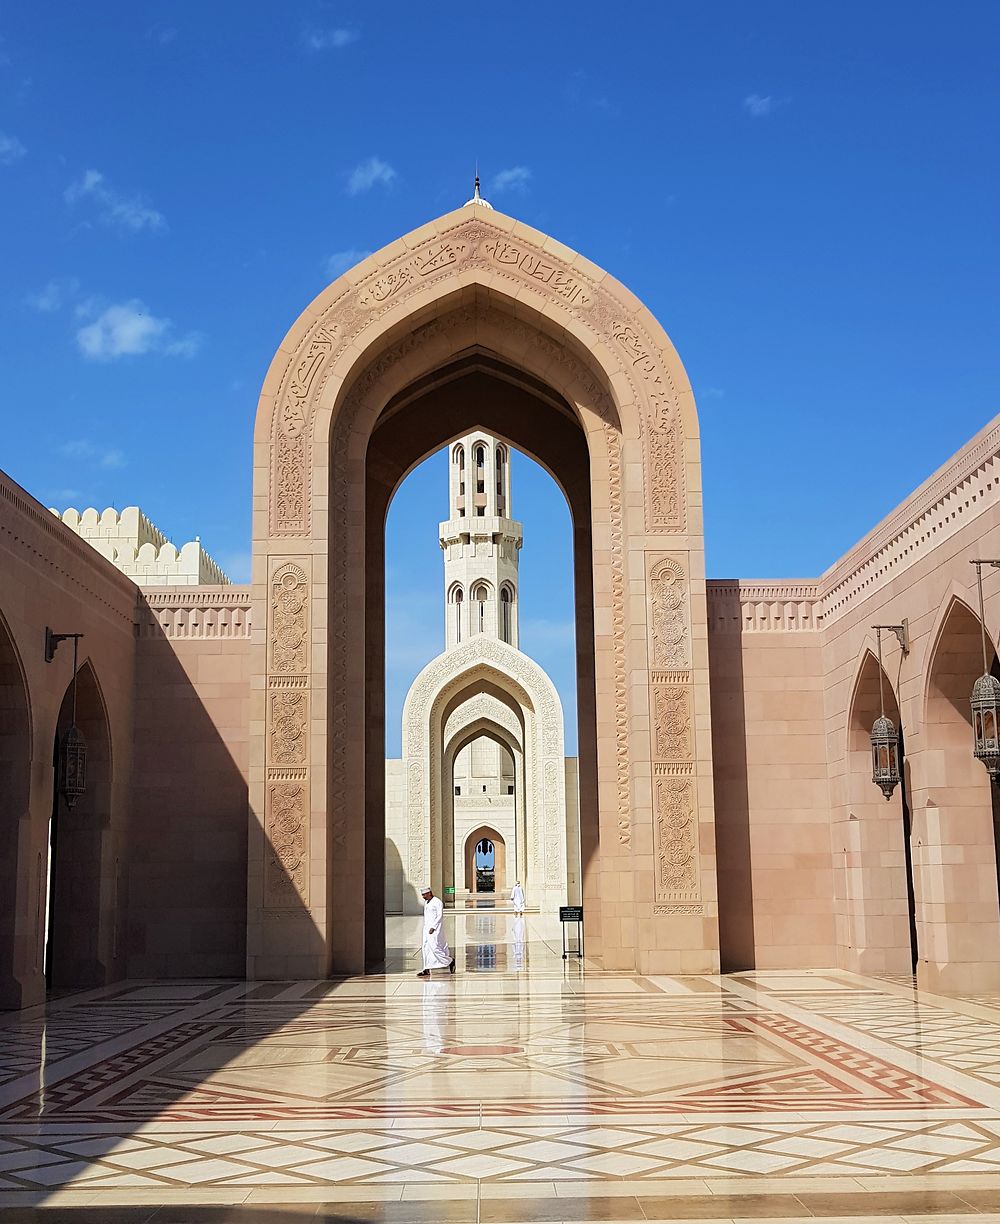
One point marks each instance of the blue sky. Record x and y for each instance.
(805, 195)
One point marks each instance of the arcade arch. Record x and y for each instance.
(478, 322)
(878, 900)
(485, 833)
(81, 871)
(15, 785)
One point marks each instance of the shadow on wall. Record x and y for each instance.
(732, 802)
(188, 852)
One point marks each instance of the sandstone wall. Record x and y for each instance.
(187, 913)
(772, 793)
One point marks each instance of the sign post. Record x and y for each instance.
(572, 913)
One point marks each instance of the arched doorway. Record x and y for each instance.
(510, 815)
(82, 876)
(955, 806)
(486, 863)
(875, 876)
(16, 873)
(477, 322)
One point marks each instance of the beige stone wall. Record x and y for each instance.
(772, 793)
(187, 915)
(915, 564)
(50, 577)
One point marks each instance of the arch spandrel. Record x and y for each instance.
(564, 296)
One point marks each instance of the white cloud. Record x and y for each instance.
(759, 107)
(127, 330)
(340, 261)
(162, 34)
(55, 295)
(368, 174)
(714, 393)
(516, 178)
(129, 212)
(324, 40)
(84, 450)
(10, 149)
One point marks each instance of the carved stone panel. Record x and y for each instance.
(676, 841)
(672, 739)
(669, 629)
(288, 637)
(286, 867)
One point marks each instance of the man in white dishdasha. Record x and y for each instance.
(437, 954)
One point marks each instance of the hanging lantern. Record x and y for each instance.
(985, 699)
(985, 719)
(885, 755)
(73, 766)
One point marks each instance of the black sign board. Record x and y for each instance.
(571, 913)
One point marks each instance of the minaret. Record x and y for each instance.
(480, 542)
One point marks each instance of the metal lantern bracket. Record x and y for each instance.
(985, 701)
(52, 641)
(884, 737)
(72, 774)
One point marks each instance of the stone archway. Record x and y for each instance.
(954, 805)
(485, 832)
(494, 685)
(517, 822)
(18, 948)
(483, 322)
(872, 836)
(81, 911)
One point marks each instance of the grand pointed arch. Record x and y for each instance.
(476, 320)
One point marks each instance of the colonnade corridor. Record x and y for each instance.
(523, 1088)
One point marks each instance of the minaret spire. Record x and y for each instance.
(480, 542)
(476, 197)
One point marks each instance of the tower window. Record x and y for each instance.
(458, 790)
(505, 616)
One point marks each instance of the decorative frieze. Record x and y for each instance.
(203, 613)
(764, 607)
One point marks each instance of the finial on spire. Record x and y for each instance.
(476, 197)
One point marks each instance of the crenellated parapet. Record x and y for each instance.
(137, 547)
(202, 612)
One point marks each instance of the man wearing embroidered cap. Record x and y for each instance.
(437, 954)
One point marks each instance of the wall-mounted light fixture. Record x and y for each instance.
(72, 758)
(985, 699)
(885, 736)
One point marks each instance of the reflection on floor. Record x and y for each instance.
(523, 1087)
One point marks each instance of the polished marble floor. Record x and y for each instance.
(523, 1088)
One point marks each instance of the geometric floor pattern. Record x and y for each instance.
(521, 1076)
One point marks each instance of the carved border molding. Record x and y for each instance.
(286, 796)
(676, 841)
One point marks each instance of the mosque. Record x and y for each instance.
(771, 774)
